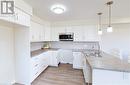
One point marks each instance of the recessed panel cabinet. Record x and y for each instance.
(19, 17)
(78, 33)
(55, 31)
(107, 77)
(36, 32)
(40, 62)
(78, 60)
(81, 33)
(39, 32)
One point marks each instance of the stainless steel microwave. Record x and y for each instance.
(66, 36)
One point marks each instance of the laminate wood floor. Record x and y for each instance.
(63, 75)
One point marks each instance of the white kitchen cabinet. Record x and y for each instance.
(39, 64)
(65, 56)
(78, 33)
(36, 32)
(91, 33)
(107, 77)
(53, 58)
(55, 31)
(81, 33)
(69, 29)
(39, 32)
(22, 18)
(47, 32)
(78, 60)
(19, 18)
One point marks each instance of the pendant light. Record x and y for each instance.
(100, 24)
(109, 28)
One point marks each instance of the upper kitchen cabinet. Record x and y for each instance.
(91, 33)
(47, 30)
(36, 32)
(81, 33)
(85, 33)
(21, 16)
(55, 31)
(39, 32)
(78, 33)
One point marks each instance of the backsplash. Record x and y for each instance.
(67, 45)
(36, 45)
(75, 45)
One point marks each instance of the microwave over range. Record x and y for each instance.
(66, 36)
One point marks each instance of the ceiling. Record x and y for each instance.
(79, 9)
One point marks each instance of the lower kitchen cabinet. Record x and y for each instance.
(106, 77)
(65, 56)
(53, 59)
(40, 62)
(78, 60)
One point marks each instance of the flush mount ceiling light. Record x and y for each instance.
(100, 24)
(58, 9)
(109, 28)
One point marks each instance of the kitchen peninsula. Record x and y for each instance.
(106, 70)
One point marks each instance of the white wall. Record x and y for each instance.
(22, 53)
(7, 73)
(119, 38)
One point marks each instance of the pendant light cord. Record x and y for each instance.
(109, 15)
(100, 23)
(109, 10)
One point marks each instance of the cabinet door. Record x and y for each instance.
(55, 31)
(91, 33)
(19, 18)
(69, 29)
(22, 18)
(36, 32)
(47, 33)
(106, 77)
(78, 33)
(126, 78)
(53, 58)
(78, 60)
(26, 19)
(41, 32)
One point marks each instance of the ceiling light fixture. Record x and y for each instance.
(58, 9)
(109, 28)
(100, 24)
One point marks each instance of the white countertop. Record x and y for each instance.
(108, 62)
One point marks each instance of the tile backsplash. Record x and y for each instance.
(67, 45)
(36, 46)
